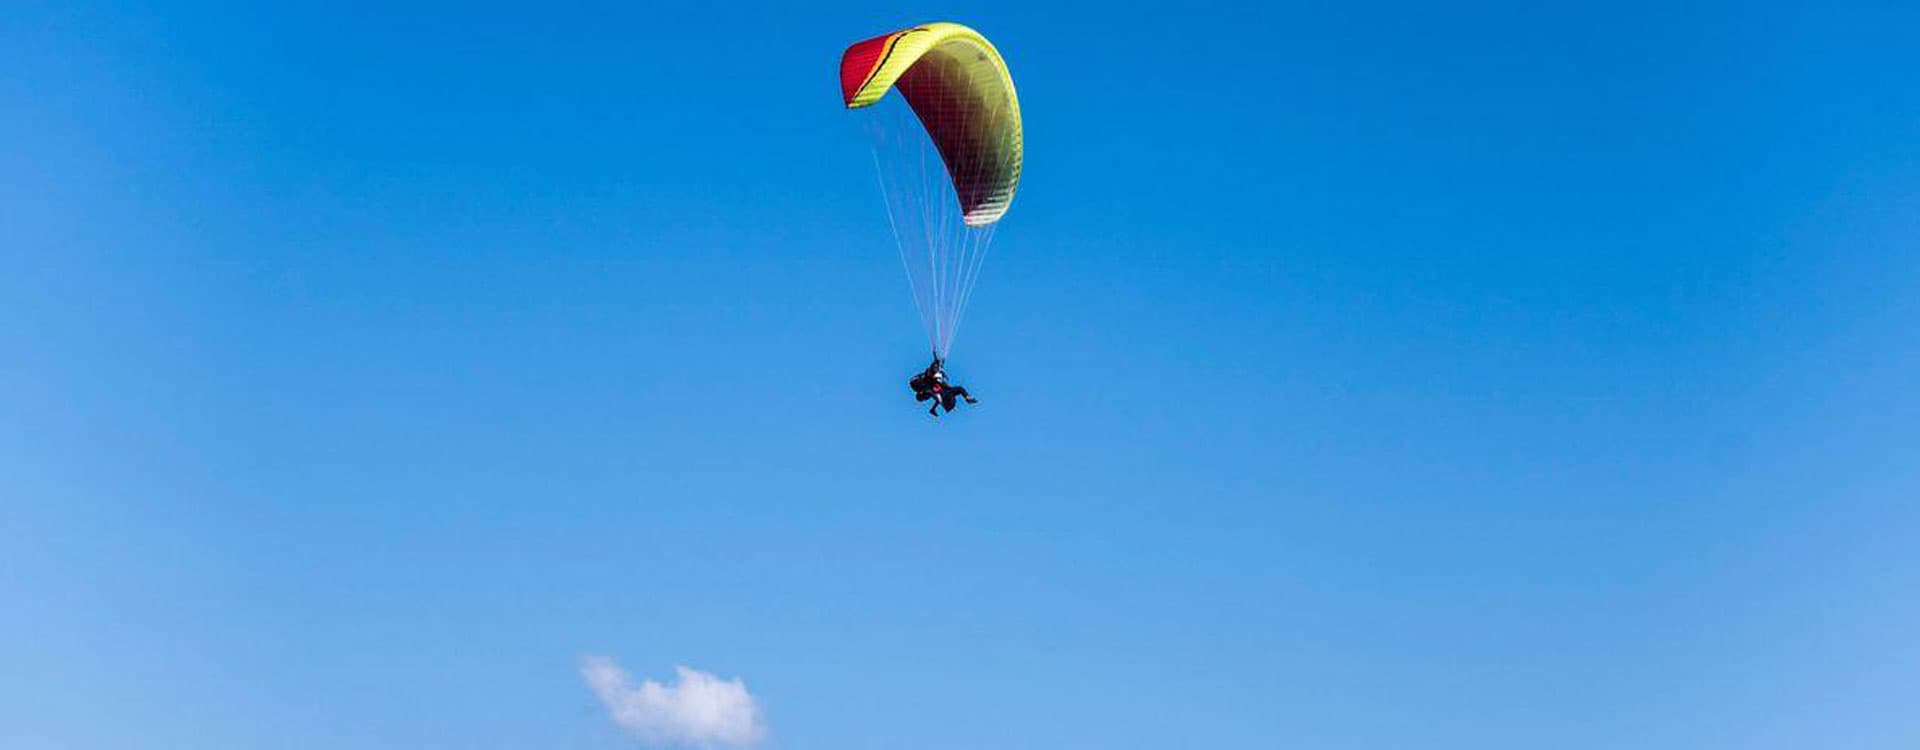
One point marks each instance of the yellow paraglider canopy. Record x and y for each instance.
(958, 85)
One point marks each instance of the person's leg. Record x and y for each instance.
(947, 399)
(962, 392)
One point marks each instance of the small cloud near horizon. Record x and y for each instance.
(697, 709)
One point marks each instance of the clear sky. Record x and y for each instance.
(1355, 375)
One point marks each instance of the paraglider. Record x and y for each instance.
(931, 385)
(948, 150)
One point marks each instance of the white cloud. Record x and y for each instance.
(696, 709)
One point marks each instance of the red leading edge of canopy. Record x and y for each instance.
(859, 62)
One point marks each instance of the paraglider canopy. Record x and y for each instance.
(959, 87)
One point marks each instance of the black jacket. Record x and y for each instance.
(922, 383)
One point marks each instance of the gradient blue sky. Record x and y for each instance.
(1356, 375)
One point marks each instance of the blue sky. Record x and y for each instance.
(1356, 375)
